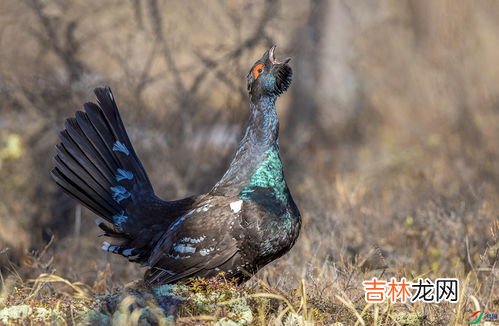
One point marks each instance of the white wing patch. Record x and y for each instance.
(184, 248)
(236, 206)
(204, 208)
(191, 240)
(206, 251)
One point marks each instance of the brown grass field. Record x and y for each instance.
(389, 137)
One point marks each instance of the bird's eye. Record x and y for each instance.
(257, 70)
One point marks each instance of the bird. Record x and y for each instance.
(247, 220)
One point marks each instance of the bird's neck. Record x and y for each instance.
(263, 125)
(261, 135)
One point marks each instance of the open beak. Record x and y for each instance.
(272, 58)
(282, 72)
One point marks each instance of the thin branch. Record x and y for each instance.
(269, 11)
(157, 25)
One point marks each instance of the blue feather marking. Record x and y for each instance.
(120, 193)
(123, 175)
(183, 248)
(127, 252)
(106, 246)
(119, 147)
(180, 220)
(119, 219)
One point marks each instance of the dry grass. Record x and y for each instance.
(323, 291)
(54, 300)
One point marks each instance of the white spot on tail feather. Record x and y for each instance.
(105, 246)
(236, 206)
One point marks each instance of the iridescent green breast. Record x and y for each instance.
(269, 178)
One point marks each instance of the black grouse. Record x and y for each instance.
(246, 221)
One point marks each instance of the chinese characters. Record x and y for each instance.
(424, 290)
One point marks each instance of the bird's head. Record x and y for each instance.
(269, 76)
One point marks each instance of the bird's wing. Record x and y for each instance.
(97, 165)
(201, 241)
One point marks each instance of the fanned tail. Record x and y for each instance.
(97, 165)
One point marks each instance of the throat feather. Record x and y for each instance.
(268, 177)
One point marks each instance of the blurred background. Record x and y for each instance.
(389, 131)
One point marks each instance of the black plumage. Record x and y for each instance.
(247, 220)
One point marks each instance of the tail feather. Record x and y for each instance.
(115, 147)
(106, 101)
(103, 139)
(81, 178)
(76, 159)
(64, 182)
(90, 165)
(97, 165)
(110, 231)
(75, 128)
(99, 151)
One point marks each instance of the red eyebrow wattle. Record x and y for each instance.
(255, 71)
